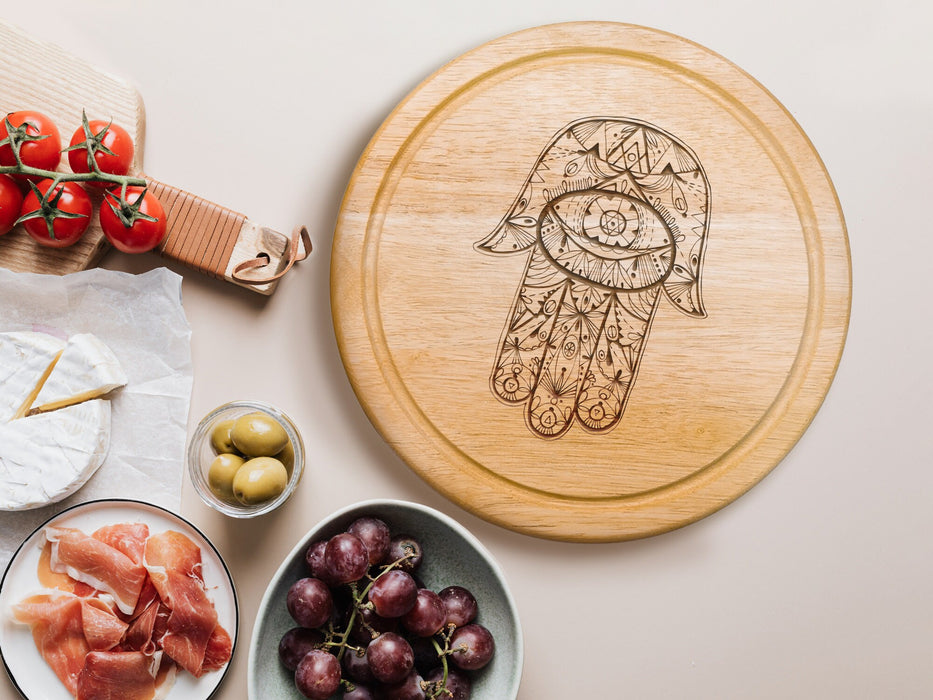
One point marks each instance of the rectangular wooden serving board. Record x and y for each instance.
(205, 236)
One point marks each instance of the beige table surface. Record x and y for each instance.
(816, 584)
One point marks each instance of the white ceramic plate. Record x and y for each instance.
(452, 555)
(28, 670)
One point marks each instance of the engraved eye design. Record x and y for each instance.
(607, 238)
(613, 217)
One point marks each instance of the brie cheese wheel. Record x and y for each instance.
(48, 456)
(86, 369)
(26, 358)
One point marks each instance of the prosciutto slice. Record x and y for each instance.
(61, 581)
(219, 649)
(143, 635)
(97, 564)
(126, 675)
(66, 628)
(128, 538)
(174, 565)
(102, 628)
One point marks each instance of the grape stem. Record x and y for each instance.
(440, 687)
(346, 632)
(409, 554)
(359, 651)
(358, 597)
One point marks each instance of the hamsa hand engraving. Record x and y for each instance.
(613, 216)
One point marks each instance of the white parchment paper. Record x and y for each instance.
(142, 320)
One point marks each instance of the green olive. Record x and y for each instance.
(220, 437)
(287, 457)
(258, 480)
(258, 435)
(221, 472)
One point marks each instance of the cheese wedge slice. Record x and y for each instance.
(86, 369)
(26, 359)
(48, 456)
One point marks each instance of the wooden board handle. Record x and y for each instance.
(200, 233)
(223, 243)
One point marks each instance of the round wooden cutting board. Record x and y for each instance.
(591, 281)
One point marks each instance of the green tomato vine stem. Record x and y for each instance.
(18, 136)
(123, 181)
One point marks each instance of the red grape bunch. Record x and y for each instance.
(367, 628)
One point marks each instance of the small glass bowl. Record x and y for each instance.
(201, 453)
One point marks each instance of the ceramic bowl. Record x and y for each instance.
(452, 556)
(201, 453)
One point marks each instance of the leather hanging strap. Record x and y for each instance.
(299, 248)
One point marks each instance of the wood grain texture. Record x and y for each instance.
(626, 364)
(41, 76)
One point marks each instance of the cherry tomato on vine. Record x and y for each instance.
(60, 217)
(110, 144)
(11, 203)
(39, 142)
(136, 226)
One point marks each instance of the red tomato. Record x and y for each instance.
(111, 145)
(11, 203)
(40, 142)
(123, 226)
(67, 208)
